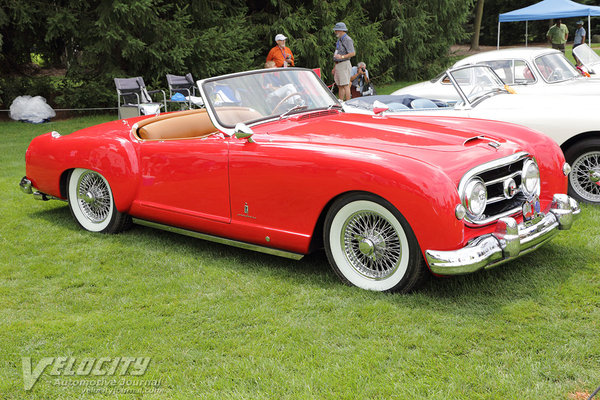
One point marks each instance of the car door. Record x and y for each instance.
(185, 182)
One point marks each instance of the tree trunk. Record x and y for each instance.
(477, 25)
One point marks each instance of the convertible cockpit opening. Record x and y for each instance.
(179, 125)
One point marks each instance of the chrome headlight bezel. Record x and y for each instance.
(474, 197)
(530, 178)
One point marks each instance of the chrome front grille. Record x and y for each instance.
(496, 175)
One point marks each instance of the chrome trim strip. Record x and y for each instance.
(218, 239)
(494, 218)
(510, 240)
(500, 180)
(495, 200)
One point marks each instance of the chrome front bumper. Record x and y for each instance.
(510, 240)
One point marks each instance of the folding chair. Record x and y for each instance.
(136, 98)
(184, 85)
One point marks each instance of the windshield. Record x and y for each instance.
(588, 57)
(555, 68)
(476, 82)
(265, 94)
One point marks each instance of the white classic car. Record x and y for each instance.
(526, 69)
(571, 122)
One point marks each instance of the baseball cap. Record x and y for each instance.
(279, 36)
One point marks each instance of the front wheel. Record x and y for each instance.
(92, 204)
(369, 244)
(584, 180)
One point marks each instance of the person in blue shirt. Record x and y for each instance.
(579, 39)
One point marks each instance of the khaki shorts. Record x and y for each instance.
(342, 73)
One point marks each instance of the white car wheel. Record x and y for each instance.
(92, 204)
(370, 245)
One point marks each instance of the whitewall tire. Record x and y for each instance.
(92, 204)
(369, 244)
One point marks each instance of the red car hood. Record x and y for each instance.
(446, 142)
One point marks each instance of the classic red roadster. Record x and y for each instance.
(274, 164)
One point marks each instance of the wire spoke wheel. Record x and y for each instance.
(369, 244)
(585, 176)
(92, 203)
(93, 197)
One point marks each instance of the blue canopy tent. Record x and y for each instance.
(549, 9)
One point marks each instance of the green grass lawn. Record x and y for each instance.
(224, 323)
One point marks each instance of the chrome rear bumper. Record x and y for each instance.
(27, 188)
(510, 240)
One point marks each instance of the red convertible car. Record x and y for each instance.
(274, 164)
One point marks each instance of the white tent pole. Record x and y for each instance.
(498, 44)
(589, 32)
(526, 22)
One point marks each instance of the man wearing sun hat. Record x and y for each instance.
(344, 50)
(579, 38)
(280, 54)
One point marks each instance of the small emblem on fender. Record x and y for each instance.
(245, 214)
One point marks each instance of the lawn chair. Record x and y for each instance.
(185, 86)
(137, 99)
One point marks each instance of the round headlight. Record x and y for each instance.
(530, 178)
(475, 197)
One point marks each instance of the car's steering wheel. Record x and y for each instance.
(556, 75)
(284, 100)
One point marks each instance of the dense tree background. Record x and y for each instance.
(70, 50)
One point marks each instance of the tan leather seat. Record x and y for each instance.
(179, 125)
(232, 115)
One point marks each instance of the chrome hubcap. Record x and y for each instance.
(585, 176)
(366, 246)
(93, 197)
(371, 244)
(89, 198)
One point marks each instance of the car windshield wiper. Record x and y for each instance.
(295, 108)
(334, 105)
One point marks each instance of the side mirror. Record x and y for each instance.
(379, 107)
(242, 131)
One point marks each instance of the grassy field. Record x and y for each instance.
(224, 323)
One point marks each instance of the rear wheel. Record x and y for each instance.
(584, 180)
(92, 204)
(369, 244)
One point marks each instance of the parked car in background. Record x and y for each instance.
(273, 164)
(569, 120)
(528, 70)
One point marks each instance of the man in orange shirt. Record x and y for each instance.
(281, 55)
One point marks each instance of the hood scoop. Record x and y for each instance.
(317, 114)
(475, 139)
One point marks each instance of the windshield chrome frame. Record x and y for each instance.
(464, 98)
(559, 53)
(230, 131)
